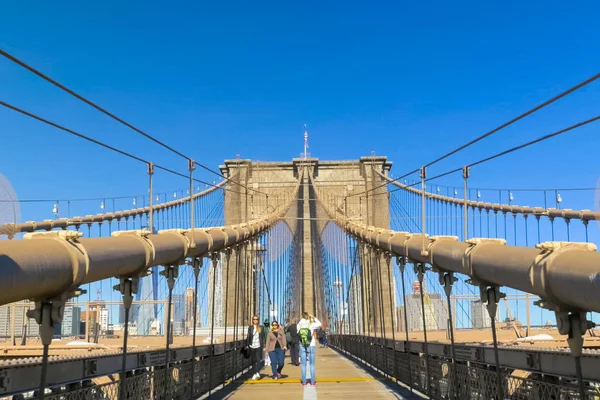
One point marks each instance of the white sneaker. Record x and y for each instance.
(254, 377)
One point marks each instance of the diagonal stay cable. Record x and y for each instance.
(72, 132)
(498, 128)
(519, 147)
(92, 104)
(540, 139)
(111, 115)
(99, 143)
(520, 117)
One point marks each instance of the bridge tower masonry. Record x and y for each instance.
(356, 188)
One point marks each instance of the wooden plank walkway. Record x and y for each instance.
(337, 378)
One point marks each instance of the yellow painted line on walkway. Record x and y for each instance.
(319, 380)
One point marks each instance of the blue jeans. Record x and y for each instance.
(277, 358)
(308, 354)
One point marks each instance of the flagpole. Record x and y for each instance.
(305, 142)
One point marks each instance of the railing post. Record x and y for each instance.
(43, 316)
(447, 279)
(196, 263)
(215, 259)
(420, 270)
(235, 308)
(466, 174)
(401, 261)
(226, 300)
(150, 170)
(423, 175)
(171, 273)
(12, 324)
(492, 295)
(191, 168)
(574, 324)
(388, 261)
(127, 286)
(47, 313)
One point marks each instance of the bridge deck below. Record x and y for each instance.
(337, 378)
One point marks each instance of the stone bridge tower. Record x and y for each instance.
(353, 187)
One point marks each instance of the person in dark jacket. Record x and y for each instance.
(265, 331)
(293, 342)
(255, 340)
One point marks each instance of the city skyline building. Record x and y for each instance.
(146, 312)
(480, 318)
(21, 322)
(71, 322)
(189, 310)
(216, 274)
(133, 313)
(103, 320)
(435, 312)
(178, 311)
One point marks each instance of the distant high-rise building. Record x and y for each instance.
(216, 274)
(435, 313)
(20, 320)
(178, 312)
(104, 318)
(70, 325)
(91, 317)
(178, 328)
(480, 316)
(133, 313)
(355, 310)
(154, 327)
(189, 310)
(146, 312)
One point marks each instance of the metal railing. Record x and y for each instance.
(64, 223)
(563, 274)
(567, 214)
(444, 377)
(147, 377)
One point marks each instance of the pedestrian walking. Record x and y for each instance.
(265, 332)
(293, 341)
(276, 345)
(308, 345)
(255, 340)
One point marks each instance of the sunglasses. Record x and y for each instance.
(254, 319)
(274, 325)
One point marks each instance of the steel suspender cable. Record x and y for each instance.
(196, 263)
(401, 261)
(392, 299)
(214, 259)
(235, 307)
(226, 302)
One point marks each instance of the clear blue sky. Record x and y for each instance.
(410, 80)
(403, 79)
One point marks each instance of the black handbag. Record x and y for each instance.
(245, 351)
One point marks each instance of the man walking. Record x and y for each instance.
(293, 341)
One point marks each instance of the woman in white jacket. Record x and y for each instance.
(308, 345)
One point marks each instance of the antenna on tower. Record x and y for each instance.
(305, 142)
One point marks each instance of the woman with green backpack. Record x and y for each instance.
(308, 345)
